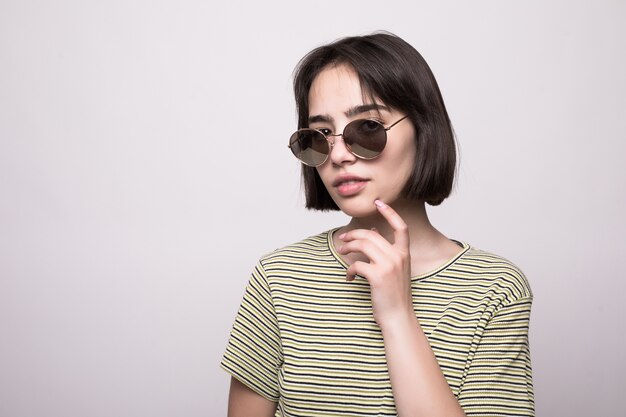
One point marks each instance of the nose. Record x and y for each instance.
(339, 152)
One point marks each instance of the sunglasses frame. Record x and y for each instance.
(332, 143)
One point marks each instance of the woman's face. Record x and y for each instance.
(335, 99)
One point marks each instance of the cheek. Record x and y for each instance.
(324, 175)
(403, 153)
(320, 172)
(402, 165)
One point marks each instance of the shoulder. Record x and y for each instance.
(311, 250)
(496, 271)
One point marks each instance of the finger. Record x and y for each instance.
(359, 268)
(400, 228)
(364, 234)
(364, 246)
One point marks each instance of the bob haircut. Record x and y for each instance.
(392, 71)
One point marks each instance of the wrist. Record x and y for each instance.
(400, 324)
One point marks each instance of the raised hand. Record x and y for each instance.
(389, 268)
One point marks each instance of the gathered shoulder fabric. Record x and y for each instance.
(306, 338)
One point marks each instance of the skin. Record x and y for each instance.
(388, 240)
(243, 402)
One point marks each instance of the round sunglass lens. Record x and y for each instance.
(309, 146)
(367, 138)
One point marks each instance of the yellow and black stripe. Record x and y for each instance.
(307, 339)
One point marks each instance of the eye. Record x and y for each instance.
(325, 131)
(370, 125)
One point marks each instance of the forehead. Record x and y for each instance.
(336, 89)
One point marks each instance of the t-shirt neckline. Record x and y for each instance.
(465, 247)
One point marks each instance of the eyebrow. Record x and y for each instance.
(352, 111)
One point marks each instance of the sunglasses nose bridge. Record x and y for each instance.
(331, 143)
(342, 153)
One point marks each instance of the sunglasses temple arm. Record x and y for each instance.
(387, 128)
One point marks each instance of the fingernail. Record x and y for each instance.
(349, 278)
(379, 203)
(341, 236)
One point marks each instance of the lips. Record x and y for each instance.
(348, 185)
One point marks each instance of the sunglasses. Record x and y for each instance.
(364, 138)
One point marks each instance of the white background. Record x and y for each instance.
(144, 170)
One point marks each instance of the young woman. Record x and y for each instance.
(385, 315)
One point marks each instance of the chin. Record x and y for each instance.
(357, 208)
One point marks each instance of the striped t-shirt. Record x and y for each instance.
(306, 339)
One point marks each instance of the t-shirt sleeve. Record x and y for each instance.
(499, 379)
(253, 354)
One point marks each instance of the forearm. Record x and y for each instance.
(419, 387)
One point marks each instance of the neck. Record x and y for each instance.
(429, 248)
(414, 215)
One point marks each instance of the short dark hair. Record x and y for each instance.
(392, 71)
